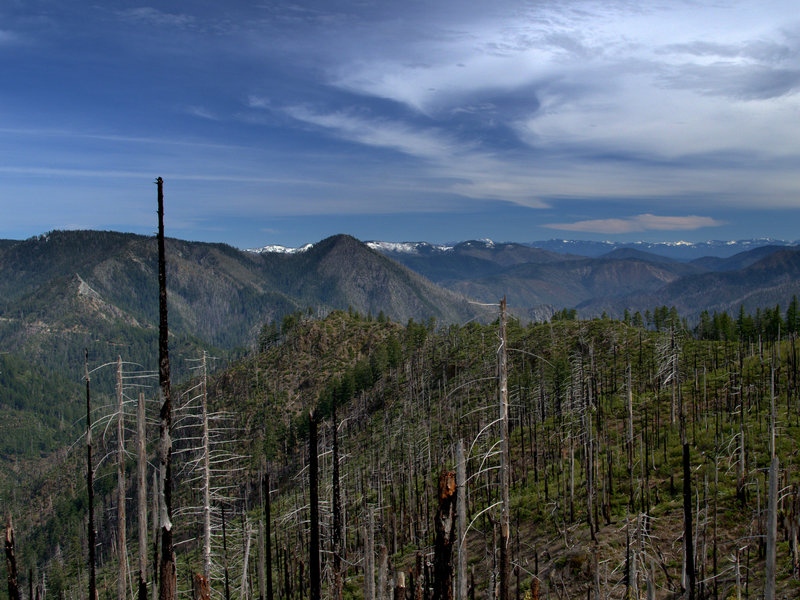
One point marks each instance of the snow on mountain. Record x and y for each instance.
(407, 247)
(276, 249)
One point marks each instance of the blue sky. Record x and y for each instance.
(279, 122)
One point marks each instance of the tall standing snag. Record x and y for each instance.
(122, 553)
(167, 572)
(90, 483)
(313, 546)
(142, 496)
(505, 537)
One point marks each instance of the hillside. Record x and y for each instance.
(404, 396)
(769, 281)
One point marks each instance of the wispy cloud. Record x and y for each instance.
(9, 37)
(643, 222)
(382, 133)
(202, 112)
(153, 16)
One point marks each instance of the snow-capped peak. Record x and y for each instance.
(406, 247)
(277, 249)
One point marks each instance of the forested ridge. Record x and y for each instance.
(600, 412)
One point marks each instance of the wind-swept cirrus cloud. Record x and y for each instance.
(637, 223)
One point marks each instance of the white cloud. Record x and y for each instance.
(643, 222)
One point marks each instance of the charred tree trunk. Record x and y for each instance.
(688, 548)
(167, 579)
(445, 525)
(11, 564)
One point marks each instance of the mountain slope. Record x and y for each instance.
(767, 282)
(466, 260)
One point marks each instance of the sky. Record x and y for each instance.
(435, 120)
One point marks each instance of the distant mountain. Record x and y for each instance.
(571, 282)
(737, 261)
(683, 251)
(539, 281)
(79, 283)
(471, 259)
(772, 280)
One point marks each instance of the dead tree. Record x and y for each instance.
(772, 502)
(445, 527)
(268, 534)
(168, 583)
(206, 473)
(688, 548)
(11, 563)
(142, 497)
(461, 510)
(90, 485)
(122, 552)
(337, 514)
(505, 537)
(313, 547)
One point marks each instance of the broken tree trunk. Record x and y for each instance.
(445, 536)
(11, 563)
(383, 569)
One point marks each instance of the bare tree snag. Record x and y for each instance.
(167, 579)
(90, 485)
(246, 561)
(268, 534)
(206, 474)
(461, 510)
(337, 514)
(262, 592)
(156, 531)
(445, 536)
(122, 551)
(11, 563)
(400, 586)
(369, 557)
(141, 496)
(688, 548)
(313, 547)
(772, 502)
(505, 538)
(383, 569)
